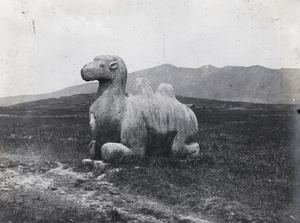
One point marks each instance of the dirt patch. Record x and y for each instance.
(38, 191)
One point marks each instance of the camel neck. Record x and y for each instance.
(103, 85)
(110, 87)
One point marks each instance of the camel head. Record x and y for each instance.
(106, 69)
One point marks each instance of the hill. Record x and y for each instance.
(78, 89)
(255, 84)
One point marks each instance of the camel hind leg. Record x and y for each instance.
(184, 147)
(192, 149)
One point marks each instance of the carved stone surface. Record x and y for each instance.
(145, 123)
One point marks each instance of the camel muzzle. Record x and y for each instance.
(89, 72)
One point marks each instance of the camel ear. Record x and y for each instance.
(113, 65)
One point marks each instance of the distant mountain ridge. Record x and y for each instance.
(255, 84)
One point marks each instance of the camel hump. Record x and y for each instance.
(142, 87)
(165, 90)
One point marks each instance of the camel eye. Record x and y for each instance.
(113, 65)
(102, 65)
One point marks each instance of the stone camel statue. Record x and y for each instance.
(140, 123)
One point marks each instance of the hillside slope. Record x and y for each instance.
(78, 89)
(255, 84)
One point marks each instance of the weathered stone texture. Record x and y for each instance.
(145, 123)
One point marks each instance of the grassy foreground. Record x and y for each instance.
(245, 172)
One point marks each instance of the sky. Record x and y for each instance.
(44, 44)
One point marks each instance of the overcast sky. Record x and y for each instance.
(185, 33)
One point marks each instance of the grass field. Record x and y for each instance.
(246, 171)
